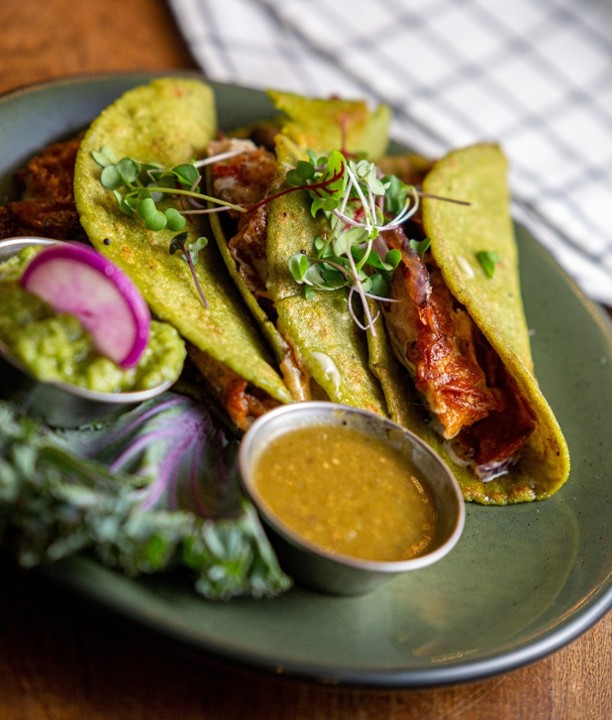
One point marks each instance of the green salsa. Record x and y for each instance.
(55, 347)
(347, 492)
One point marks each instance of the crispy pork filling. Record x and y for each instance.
(46, 205)
(472, 398)
(243, 402)
(246, 179)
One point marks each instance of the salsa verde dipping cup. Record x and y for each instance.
(326, 571)
(59, 404)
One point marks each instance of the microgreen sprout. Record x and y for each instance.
(360, 205)
(139, 187)
(420, 247)
(190, 253)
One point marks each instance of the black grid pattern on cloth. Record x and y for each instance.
(534, 75)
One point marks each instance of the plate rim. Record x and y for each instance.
(62, 574)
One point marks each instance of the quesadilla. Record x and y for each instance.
(171, 121)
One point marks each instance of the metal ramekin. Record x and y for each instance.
(338, 574)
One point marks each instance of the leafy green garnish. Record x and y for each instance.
(152, 491)
(488, 259)
(139, 187)
(359, 206)
(190, 253)
(420, 247)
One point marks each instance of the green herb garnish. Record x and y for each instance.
(488, 259)
(420, 247)
(190, 253)
(359, 205)
(139, 187)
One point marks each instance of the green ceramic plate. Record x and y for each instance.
(524, 580)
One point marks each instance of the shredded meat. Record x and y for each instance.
(248, 248)
(502, 433)
(447, 369)
(46, 206)
(242, 179)
(50, 174)
(410, 168)
(243, 402)
(462, 379)
(246, 179)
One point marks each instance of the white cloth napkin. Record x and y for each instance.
(534, 75)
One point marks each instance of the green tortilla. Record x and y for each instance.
(477, 174)
(325, 339)
(333, 124)
(331, 346)
(170, 121)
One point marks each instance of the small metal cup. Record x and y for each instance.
(326, 571)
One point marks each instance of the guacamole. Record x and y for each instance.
(55, 347)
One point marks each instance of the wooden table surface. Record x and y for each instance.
(63, 659)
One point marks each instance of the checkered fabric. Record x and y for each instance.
(534, 75)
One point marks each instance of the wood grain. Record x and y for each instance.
(46, 39)
(61, 658)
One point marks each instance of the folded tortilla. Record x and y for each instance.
(367, 369)
(314, 339)
(477, 174)
(170, 121)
